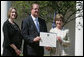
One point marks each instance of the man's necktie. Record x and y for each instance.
(37, 25)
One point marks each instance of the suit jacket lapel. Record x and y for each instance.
(32, 23)
(39, 23)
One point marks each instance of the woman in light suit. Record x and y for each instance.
(63, 40)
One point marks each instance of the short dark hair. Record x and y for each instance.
(33, 4)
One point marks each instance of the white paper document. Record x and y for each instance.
(47, 39)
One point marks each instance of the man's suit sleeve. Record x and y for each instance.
(45, 27)
(24, 30)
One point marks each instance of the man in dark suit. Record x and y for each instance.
(31, 28)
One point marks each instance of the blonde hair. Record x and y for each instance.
(9, 12)
(58, 17)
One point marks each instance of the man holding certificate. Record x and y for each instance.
(31, 28)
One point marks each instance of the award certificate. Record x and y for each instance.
(47, 39)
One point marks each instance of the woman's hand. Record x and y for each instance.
(48, 48)
(59, 39)
(18, 52)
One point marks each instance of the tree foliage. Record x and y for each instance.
(47, 9)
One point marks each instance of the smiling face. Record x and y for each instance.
(35, 10)
(59, 23)
(59, 20)
(13, 14)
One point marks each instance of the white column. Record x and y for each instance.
(79, 30)
(4, 9)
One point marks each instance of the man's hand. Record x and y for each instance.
(37, 39)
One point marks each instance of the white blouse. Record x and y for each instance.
(61, 48)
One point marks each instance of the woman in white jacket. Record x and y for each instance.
(63, 41)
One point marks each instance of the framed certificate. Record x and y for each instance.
(47, 39)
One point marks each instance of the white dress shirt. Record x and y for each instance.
(36, 22)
